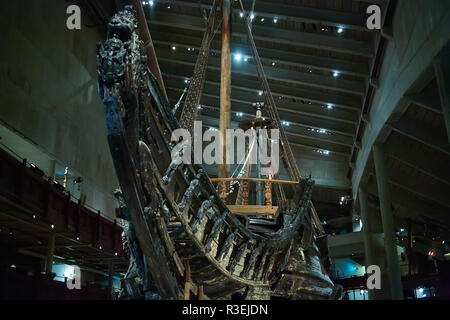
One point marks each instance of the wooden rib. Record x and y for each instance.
(254, 210)
(253, 180)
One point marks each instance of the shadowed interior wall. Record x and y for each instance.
(48, 92)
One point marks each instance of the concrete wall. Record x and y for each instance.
(420, 30)
(48, 91)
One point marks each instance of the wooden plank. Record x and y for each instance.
(225, 93)
(254, 210)
(187, 284)
(201, 294)
(254, 180)
(316, 220)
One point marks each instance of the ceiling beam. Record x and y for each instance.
(276, 35)
(428, 99)
(436, 193)
(272, 73)
(417, 160)
(422, 133)
(360, 69)
(210, 120)
(415, 205)
(266, 9)
(244, 98)
(283, 93)
(301, 120)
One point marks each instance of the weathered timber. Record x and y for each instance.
(174, 208)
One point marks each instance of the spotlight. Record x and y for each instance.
(238, 57)
(174, 48)
(241, 14)
(335, 74)
(340, 30)
(275, 20)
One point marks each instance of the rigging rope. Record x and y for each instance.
(175, 108)
(292, 165)
(196, 85)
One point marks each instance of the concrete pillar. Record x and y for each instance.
(367, 232)
(387, 217)
(442, 70)
(50, 253)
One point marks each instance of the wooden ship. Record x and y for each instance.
(188, 238)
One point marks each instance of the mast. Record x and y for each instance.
(225, 93)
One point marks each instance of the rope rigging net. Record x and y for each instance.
(191, 109)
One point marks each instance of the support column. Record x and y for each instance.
(387, 217)
(50, 253)
(225, 91)
(442, 70)
(367, 232)
(187, 280)
(201, 292)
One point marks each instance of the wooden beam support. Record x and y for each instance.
(253, 180)
(201, 293)
(187, 284)
(225, 93)
(254, 210)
